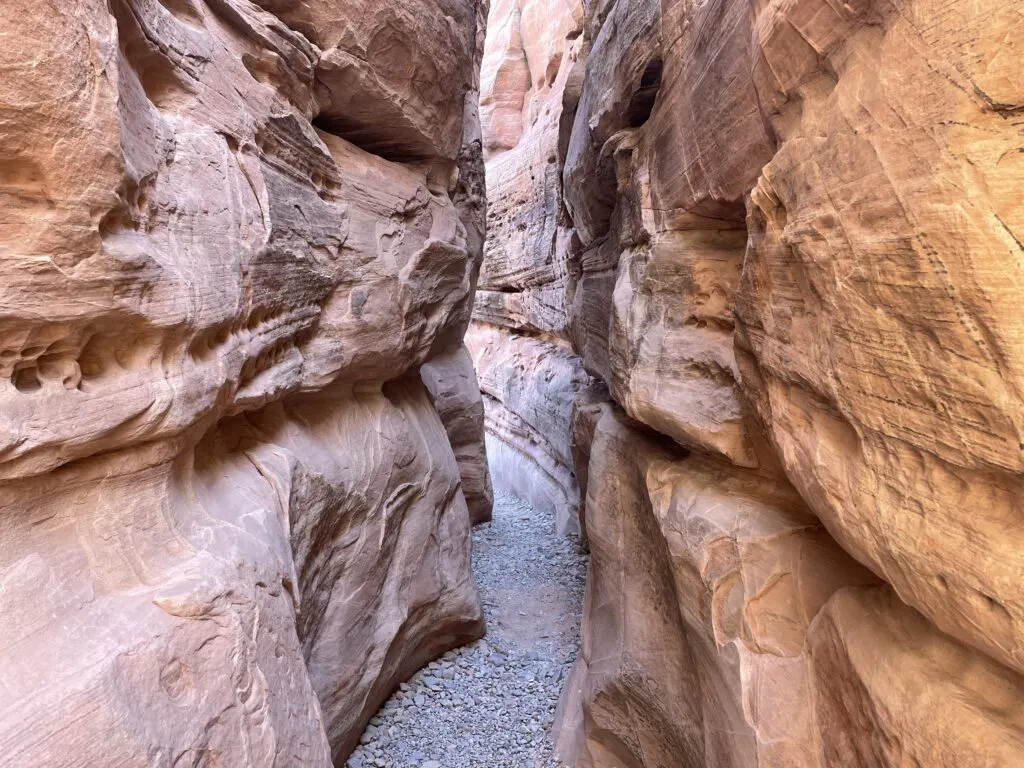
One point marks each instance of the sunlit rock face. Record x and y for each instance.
(528, 371)
(238, 255)
(892, 383)
(783, 240)
(705, 578)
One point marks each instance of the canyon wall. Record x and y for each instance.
(750, 311)
(241, 439)
(519, 338)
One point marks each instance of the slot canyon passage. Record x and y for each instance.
(335, 334)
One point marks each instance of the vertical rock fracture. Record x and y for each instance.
(241, 441)
(749, 319)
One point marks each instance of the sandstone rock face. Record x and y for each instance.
(528, 372)
(923, 698)
(237, 239)
(910, 358)
(785, 241)
(529, 387)
(376, 85)
(704, 581)
(455, 391)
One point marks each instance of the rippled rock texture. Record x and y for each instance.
(783, 241)
(238, 249)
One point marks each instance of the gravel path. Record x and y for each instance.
(490, 704)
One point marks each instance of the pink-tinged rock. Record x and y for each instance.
(524, 251)
(252, 601)
(630, 700)
(392, 77)
(455, 392)
(528, 386)
(523, 61)
(527, 369)
(233, 520)
(160, 308)
(894, 691)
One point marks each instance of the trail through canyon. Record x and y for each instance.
(492, 703)
(292, 289)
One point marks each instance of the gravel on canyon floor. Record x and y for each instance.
(491, 704)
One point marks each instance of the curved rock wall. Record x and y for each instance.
(519, 339)
(784, 240)
(238, 247)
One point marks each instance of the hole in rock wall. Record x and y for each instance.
(642, 104)
(26, 380)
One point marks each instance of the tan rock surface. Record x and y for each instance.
(665, 255)
(629, 701)
(670, 339)
(896, 692)
(787, 238)
(528, 386)
(712, 574)
(891, 381)
(231, 526)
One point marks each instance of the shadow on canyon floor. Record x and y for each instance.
(491, 704)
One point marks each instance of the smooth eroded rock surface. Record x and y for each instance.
(528, 386)
(703, 584)
(895, 691)
(236, 238)
(784, 241)
(455, 391)
(528, 371)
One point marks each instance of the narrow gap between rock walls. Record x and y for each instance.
(491, 704)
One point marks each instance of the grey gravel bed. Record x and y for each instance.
(491, 704)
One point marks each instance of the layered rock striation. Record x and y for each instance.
(527, 368)
(770, 253)
(241, 440)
